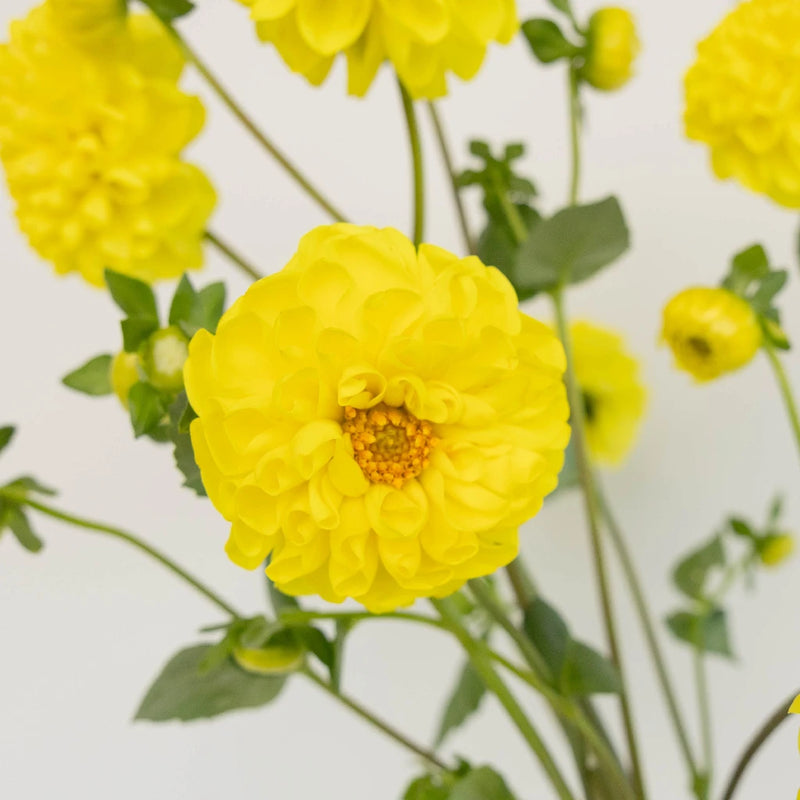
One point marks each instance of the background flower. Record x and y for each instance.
(379, 421)
(90, 137)
(424, 39)
(612, 48)
(741, 98)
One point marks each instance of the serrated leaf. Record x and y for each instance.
(147, 408)
(134, 297)
(17, 521)
(169, 10)
(464, 701)
(706, 632)
(182, 691)
(93, 378)
(691, 573)
(481, 784)
(572, 246)
(587, 672)
(549, 633)
(6, 435)
(547, 41)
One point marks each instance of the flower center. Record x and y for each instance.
(700, 346)
(390, 444)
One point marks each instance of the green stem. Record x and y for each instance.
(300, 616)
(378, 723)
(256, 132)
(575, 118)
(590, 496)
(521, 583)
(785, 389)
(447, 157)
(418, 167)
(704, 708)
(125, 537)
(775, 720)
(646, 620)
(494, 683)
(515, 221)
(233, 256)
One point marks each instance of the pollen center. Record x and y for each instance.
(389, 444)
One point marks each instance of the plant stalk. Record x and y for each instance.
(785, 389)
(228, 251)
(417, 164)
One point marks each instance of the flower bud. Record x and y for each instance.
(163, 357)
(274, 660)
(710, 332)
(775, 548)
(611, 48)
(124, 374)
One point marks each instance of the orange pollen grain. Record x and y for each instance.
(389, 444)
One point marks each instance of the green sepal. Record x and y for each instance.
(148, 410)
(170, 10)
(6, 435)
(93, 378)
(547, 41)
(705, 631)
(464, 700)
(692, 572)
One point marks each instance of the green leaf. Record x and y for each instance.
(93, 378)
(561, 5)
(316, 642)
(769, 287)
(706, 632)
(183, 691)
(16, 519)
(134, 297)
(572, 246)
(428, 787)
(28, 485)
(548, 631)
(741, 528)
(481, 784)
(136, 331)
(464, 701)
(192, 310)
(775, 510)
(547, 41)
(182, 301)
(691, 573)
(169, 10)
(752, 263)
(587, 672)
(147, 408)
(6, 435)
(185, 461)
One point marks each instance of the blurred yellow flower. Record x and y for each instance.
(379, 420)
(614, 397)
(776, 549)
(740, 98)
(710, 331)
(88, 20)
(424, 39)
(612, 47)
(90, 137)
(124, 374)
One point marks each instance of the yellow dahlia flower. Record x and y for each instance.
(612, 47)
(710, 331)
(377, 420)
(424, 39)
(614, 398)
(740, 98)
(90, 139)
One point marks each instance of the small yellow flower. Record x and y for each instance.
(614, 398)
(612, 47)
(776, 549)
(710, 331)
(378, 420)
(90, 138)
(740, 98)
(124, 374)
(424, 39)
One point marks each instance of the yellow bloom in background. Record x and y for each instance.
(90, 138)
(614, 397)
(776, 549)
(710, 331)
(612, 47)
(88, 20)
(424, 39)
(378, 420)
(741, 98)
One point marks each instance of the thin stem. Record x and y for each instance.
(441, 136)
(233, 256)
(704, 708)
(126, 537)
(646, 620)
(762, 735)
(377, 722)
(785, 389)
(494, 683)
(515, 221)
(300, 616)
(587, 482)
(256, 132)
(521, 583)
(575, 119)
(416, 159)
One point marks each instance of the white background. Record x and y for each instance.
(87, 624)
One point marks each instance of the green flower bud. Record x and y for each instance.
(163, 357)
(611, 48)
(775, 548)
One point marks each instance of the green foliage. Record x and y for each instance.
(6, 435)
(17, 521)
(465, 783)
(149, 410)
(192, 310)
(692, 573)
(181, 415)
(93, 378)
(706, 630)
(169, 10)
(547, 41)
(135, 298)
(572, 246)
(187, 689)
(464, 701)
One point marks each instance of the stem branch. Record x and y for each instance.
(785, 389)
(417, 163)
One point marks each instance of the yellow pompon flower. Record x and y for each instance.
(614, 398)
(612, 47)
(710, 331)
(424, 39)
(90, 138)
(377, 420)
(740, 98)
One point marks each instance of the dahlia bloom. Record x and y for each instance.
(90, 138)
(612, 47)
(424, 39)
(710, 331)
(614, 397)
(378, 421)
(741, 98)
